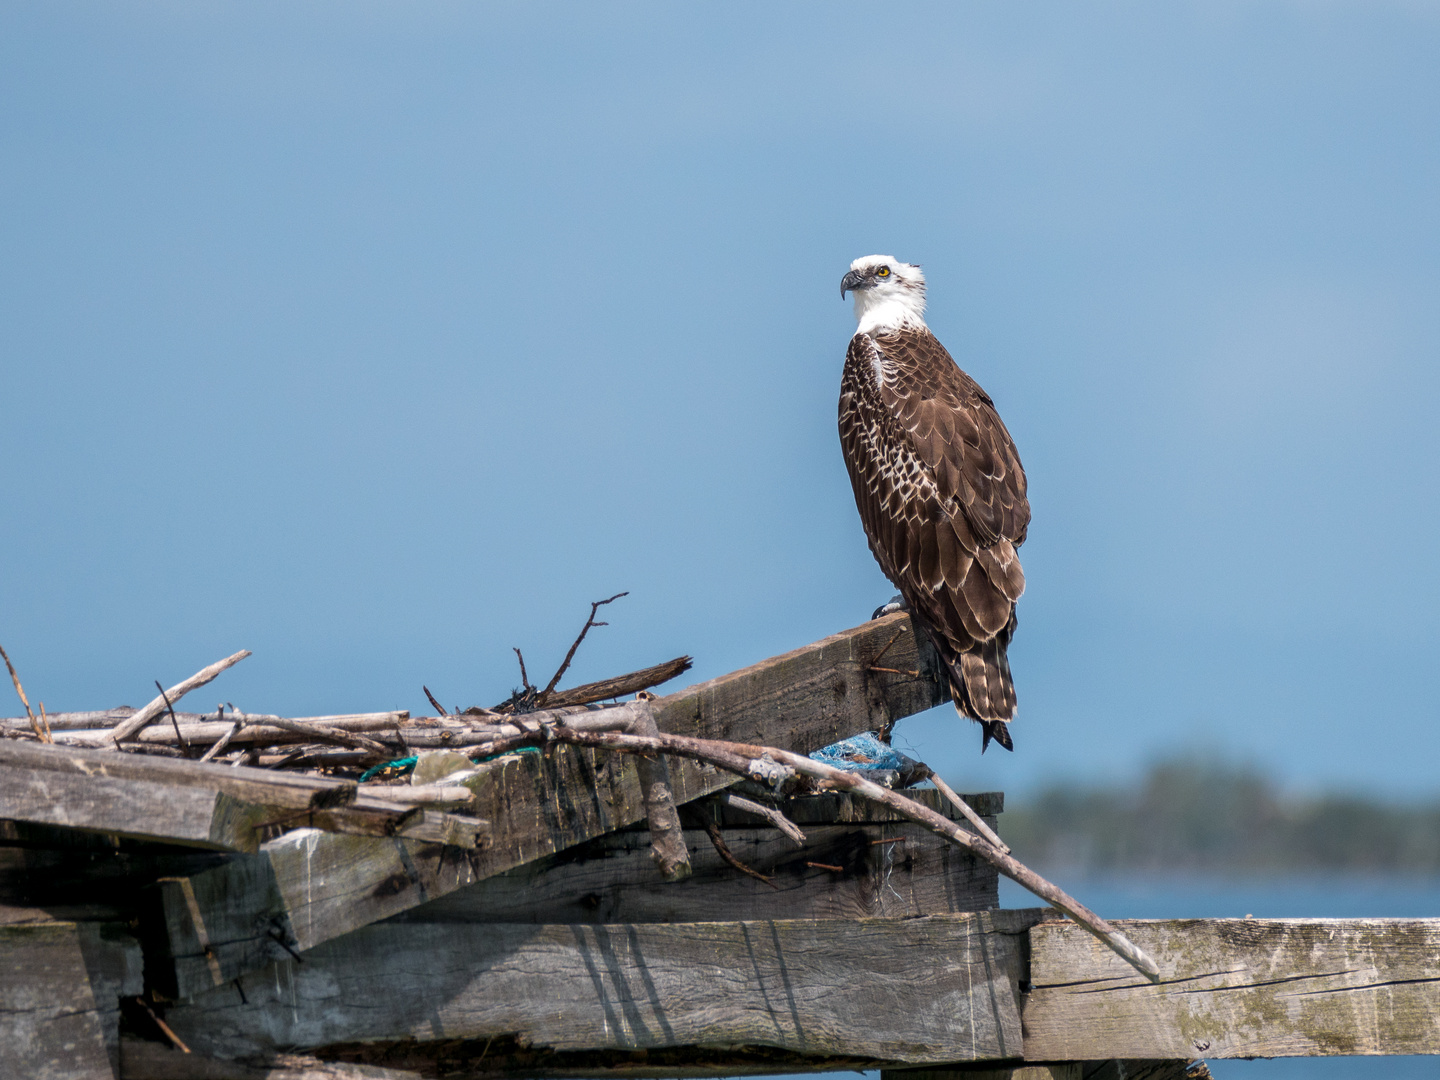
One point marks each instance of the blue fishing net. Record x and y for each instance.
(861, 753)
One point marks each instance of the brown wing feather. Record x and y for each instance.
(941, 493)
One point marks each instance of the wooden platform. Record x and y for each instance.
(366, 940)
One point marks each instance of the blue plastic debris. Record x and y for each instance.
(861, 753)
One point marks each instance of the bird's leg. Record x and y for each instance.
(896, 603)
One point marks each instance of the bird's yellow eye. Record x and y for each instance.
(883, 272)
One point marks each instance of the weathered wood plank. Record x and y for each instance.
(134, 808)
(208, 806)
(811, 987)
(310, 888)
(1238, 988)
(60, 985)
(250, 785)
(884, 869)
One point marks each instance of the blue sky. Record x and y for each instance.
(379, 338)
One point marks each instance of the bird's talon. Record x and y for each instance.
(895, 603)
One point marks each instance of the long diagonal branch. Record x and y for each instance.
(768, 764)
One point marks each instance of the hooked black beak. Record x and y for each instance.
(855, 279)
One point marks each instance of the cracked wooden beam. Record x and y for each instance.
(808, 987)
(1237, 988)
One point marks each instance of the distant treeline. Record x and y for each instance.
(1218, 818)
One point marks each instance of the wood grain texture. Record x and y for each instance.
(205, 805)
(60, 985)
(309, 888)
(1238, 988)
(887, 869)
(812, 987)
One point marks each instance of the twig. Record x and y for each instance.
(185, 746)
(164, 1027)
(175, 693)
(565, 664)
(769, 813)
(221, 743)
(887, 840)
(826, 866)
(321, 733)
(39, 732)
(45, 723)
(524, 678)
(618, 686)
(966, 809)
(440, 709)
(729, 856)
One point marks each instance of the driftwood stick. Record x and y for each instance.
(169, 708)
(440, 709)
(769, 813)
(541, 698)
(965, 808)
(175, 693)
(323, 733)
(421, 795)
(620, 685)
(254, 729)
(667, 840)
(768, 764)
(40, 733)
(221, 743)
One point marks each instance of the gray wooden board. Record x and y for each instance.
(309, 888)
(250, 785)
(206, 805)
(60, 985)
(808, 986)
(140, 809)
(1237, 988)
(888, 868)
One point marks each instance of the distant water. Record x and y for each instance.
(1308, 897)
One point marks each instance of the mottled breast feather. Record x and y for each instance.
(941, 493)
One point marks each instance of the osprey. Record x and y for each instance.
(938, 484)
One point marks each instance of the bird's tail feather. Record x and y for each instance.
(982, 687)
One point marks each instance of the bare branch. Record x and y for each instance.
(966, 809)
(322, 733)
(540, 698)
(769, 813)
(175, 693)
(439, 709)
(725, 853)
(35, 724)
(184, 746)
(771, 765)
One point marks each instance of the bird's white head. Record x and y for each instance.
(889, 294)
